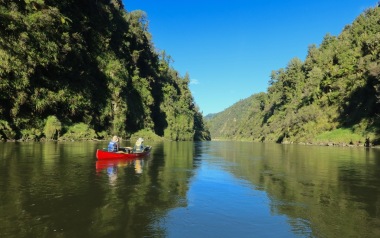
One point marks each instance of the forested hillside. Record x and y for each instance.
(333, 96)
(88, 69)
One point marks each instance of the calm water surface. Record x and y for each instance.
(186, 189)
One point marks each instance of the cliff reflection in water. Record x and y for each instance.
(187, 189)
(59, 190)
(335, 191)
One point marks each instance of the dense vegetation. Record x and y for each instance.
(88, 69)
(333, 96)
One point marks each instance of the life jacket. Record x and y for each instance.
(112, 147)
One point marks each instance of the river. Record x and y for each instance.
(189, 189)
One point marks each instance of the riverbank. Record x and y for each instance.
(285, 142)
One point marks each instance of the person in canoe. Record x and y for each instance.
(113, 146)
(139, 145)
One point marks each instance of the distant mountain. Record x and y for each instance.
(209, 116)
(331, 97)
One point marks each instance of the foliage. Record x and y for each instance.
(147, 134)
(52, 128)
(79, 131)
(338, 135)
(6, 131)
(201, 129)
(336, 87)
(88, 62)
(31, 134)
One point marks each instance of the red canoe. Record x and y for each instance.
(104, 154)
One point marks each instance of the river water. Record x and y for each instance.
(189, 189)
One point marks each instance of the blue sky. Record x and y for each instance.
(229, 48)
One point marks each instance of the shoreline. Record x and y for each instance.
(328, 144)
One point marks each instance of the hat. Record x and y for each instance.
(139, 141)
(115, 139)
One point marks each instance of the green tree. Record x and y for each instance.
(87, 62)
(52, 128)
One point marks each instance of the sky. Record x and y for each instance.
(230, 47)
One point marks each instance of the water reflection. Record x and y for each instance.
(185, 189)
(324, 192)
(113, 164)
(111, 167)
(138, 193)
